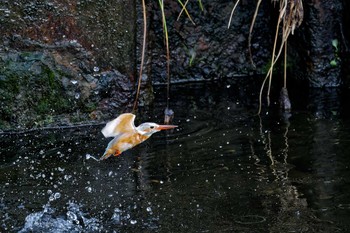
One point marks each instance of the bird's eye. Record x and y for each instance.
(151, 127)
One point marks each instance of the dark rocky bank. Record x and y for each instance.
(64, 63)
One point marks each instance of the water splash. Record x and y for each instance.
(88, 156)
(116, 217)
(48, 221)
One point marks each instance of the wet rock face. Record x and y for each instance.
(43, 88)
(320, 42)
(64, 62)
(115, 92)
(208, 49)
(58, 61)
(346, 53)
(106, 28)
(29, 87)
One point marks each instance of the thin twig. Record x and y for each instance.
(184, 9)
(161, 4)
(273, 59)
(272, 62)
(250, 32)
(285, 65)
(233, 10)
(200, 5)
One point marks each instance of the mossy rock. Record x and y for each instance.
(31, 90)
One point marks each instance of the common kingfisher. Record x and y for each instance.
(126, 135)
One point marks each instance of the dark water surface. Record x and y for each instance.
(222, 170)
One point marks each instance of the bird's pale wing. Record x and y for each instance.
(122, 124)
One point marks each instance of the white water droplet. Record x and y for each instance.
(57, 195)
(72, 216)
(133, 222)
(96, 69)
(116, 217)
(77, 95)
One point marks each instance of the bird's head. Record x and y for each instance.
(150, 128)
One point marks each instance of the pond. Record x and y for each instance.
(223, 169)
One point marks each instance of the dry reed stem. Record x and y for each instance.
(184, 9)
(285, 65)
(200, 5)
(251, 30)
(142, 54)
(233, 10)
(291, 17)
(165, 30)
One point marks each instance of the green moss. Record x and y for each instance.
(9, 89)
(52, 101)
(32, 93)
(48, 78)
(44, 120)
(52, 97)
(26, 54)
(42, 107)
(89, 107)
(278, 67)
(10, 84)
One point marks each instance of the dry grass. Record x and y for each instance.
(166, 39)
(290, 17)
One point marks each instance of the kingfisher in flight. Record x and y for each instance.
(126, 135)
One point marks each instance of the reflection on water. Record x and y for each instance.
(223, 170)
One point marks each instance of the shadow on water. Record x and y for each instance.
(223, 170)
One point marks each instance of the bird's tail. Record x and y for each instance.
(105, 156)
(110, 150)
(108, 154)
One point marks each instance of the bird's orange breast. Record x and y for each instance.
(128, 141)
